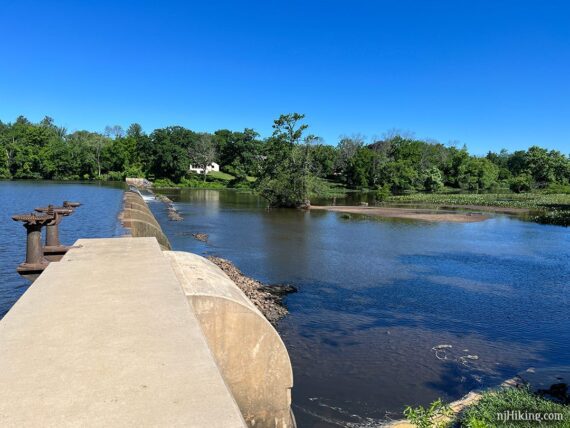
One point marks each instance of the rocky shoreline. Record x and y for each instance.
(267, 298)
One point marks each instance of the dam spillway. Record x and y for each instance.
(122, 333)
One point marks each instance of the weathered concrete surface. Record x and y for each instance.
(106, 338)
(137, 217)
(249, 352)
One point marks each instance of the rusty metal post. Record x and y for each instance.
(52, 228)
(34, 254)
(35, 262)
(53, 250)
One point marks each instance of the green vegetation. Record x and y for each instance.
(493, 403)
(435, 416)
(556, 217)
(495, 408)
(546, 208)
(291, 166)
(219, 175)
(287, 175)
(536, 201)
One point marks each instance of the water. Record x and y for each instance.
(376, 296)
(97, 218)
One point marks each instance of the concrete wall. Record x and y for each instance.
(249, 352)
(138, 218)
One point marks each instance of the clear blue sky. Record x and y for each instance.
(488, 73)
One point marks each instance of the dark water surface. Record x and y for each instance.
(97, 218)
(376, 296)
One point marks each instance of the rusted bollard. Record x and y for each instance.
(35, 262)
(53, 250)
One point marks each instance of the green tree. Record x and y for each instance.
(401, 176)
(477, 174)
(325, 159)
(239, 153)
(4, 164)
(203, 153)
(347, 148)
(433, 180)
(167, 150)
(359, 171)
(287, 178)
(521, 183)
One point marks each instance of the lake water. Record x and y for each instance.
(375, 296)
(97, 218)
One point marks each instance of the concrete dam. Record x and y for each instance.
(121, 332)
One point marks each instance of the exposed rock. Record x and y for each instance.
(163, 198)
(280, 289)
(173, 214)
(269, 303)
(200, 237)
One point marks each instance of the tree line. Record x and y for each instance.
(286, 167)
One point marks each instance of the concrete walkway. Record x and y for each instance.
(107, 338)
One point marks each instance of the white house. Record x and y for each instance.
(212, 167)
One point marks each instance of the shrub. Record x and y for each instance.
(435, 416)
(164, 182)
(382, 193)
(521, 183)
(134, 171)
(115, 176)
(433, 181)
(558, 189)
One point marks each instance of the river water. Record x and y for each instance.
(376, 297)
(97, 218)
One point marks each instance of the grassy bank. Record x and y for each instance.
(215, 180)
(490, 409)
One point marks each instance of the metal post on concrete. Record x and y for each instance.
(53, 250)
(35, 262)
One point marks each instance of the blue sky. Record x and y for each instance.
(486, 73)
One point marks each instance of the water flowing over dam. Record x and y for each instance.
(125, 332)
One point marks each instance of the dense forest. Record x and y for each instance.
(286, 167)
